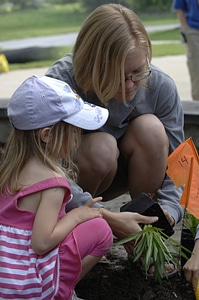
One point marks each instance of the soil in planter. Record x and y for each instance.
(121, 280)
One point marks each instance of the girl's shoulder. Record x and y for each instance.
(35, 173)
(45, 184)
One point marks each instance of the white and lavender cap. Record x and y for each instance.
(44, 101)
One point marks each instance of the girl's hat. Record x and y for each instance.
(44, 101)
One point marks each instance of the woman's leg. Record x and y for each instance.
(97, 162)
(145, 146)
(142, 164)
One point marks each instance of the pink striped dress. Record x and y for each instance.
(23, 273)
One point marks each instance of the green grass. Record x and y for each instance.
(168, 49)
(165, 35)
(54, 19)
(45, 21)
(158, 18)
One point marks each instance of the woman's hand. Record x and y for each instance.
(125, 223)
(169, 218)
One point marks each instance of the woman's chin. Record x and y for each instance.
(129, 97)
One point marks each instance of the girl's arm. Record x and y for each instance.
(47, 230)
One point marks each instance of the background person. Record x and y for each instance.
(188, 15)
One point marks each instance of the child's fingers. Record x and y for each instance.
(93, 201)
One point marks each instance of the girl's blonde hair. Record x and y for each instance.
(22, 145)
(107, 36)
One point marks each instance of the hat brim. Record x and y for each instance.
(90, 117)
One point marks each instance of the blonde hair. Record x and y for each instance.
(107, 36)
(23, 145)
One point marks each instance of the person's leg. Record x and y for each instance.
(97, 162)
(146, 147)
(142, 163)
(79, 252)
(192, 47)
(94, 239)
(143, 153)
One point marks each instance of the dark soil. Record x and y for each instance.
(120, 279)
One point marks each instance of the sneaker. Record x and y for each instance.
(74, 297)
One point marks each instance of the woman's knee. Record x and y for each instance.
(99, 149)
(146, 132)
(153, 131)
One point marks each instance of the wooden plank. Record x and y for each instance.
(191, 112)
(191, 115)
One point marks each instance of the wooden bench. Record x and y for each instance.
(191, 112)
(5, 126)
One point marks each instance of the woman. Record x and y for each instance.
(110, 66)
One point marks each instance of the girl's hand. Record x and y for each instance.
(93, 201)
(87, 212)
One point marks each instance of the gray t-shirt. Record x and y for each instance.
(160, 98)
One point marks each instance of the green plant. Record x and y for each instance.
(152, 243)
(190, 222)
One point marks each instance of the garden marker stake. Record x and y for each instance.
(183, 169)
(197, 291)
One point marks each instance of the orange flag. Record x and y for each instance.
(183, 169)
(179, 162)
(190, 196)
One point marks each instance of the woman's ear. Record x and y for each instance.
(45, 134)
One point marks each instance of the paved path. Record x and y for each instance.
(66, 39)
(175, 66)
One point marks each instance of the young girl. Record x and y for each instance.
(43, 250)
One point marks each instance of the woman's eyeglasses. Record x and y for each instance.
(139, 76)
